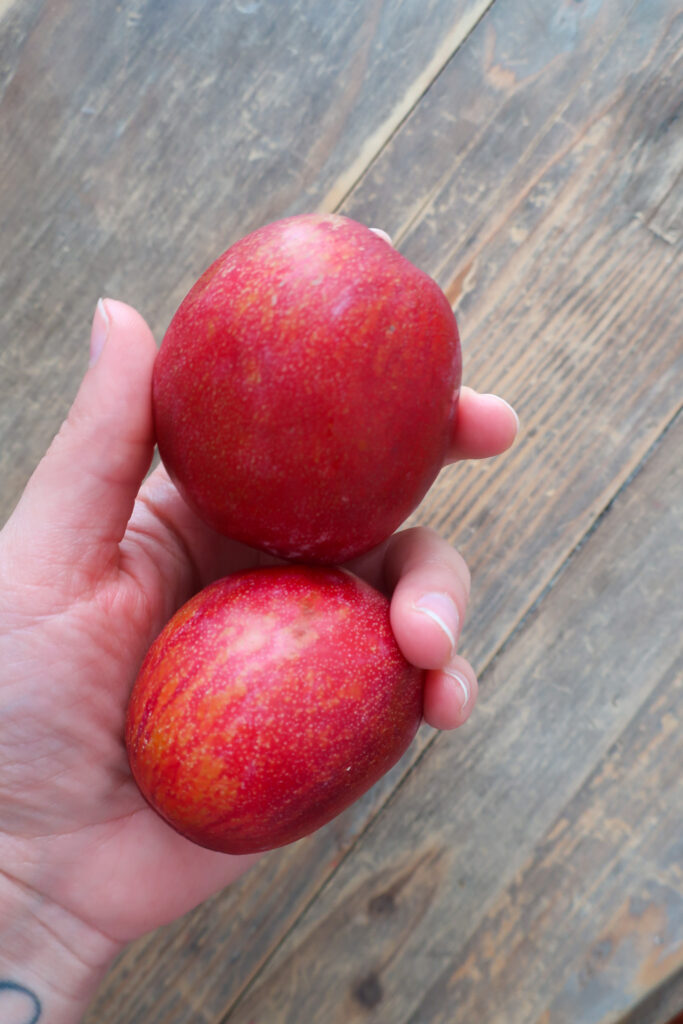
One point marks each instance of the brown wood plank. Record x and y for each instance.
(548, 305)
(141, 139)
(530, 873)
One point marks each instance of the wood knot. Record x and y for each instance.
(368, 991)
(382, 904)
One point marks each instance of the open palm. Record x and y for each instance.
(93, 562)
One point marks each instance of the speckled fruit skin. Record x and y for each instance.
(269, 703)
(306, 389)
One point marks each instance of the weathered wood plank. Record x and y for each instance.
(594, 922)
(540, 197)
(568, 291)
(530, 874)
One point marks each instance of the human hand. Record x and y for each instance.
(93, 562)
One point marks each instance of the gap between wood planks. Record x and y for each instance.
(376, 143)
(667, 998)
(493, 657)
(571, 555)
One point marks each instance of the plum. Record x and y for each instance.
(270, 702)
(306, 389)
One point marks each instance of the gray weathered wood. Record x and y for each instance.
(547, 144)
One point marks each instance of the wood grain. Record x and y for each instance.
(554, 314)
(536, 227)
(530, 874)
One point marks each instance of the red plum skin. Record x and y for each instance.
(269, 703)
(306, 389)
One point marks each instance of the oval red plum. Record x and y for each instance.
(306, 389)
(269, 703)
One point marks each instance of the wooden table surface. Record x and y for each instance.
(527, 869)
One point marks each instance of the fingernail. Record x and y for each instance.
(462, 685)
(512, 410)
(99, 332)
(382, 234)
(440, 608)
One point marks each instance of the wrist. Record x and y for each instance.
(51, 962)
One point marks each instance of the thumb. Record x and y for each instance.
(76, 505)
